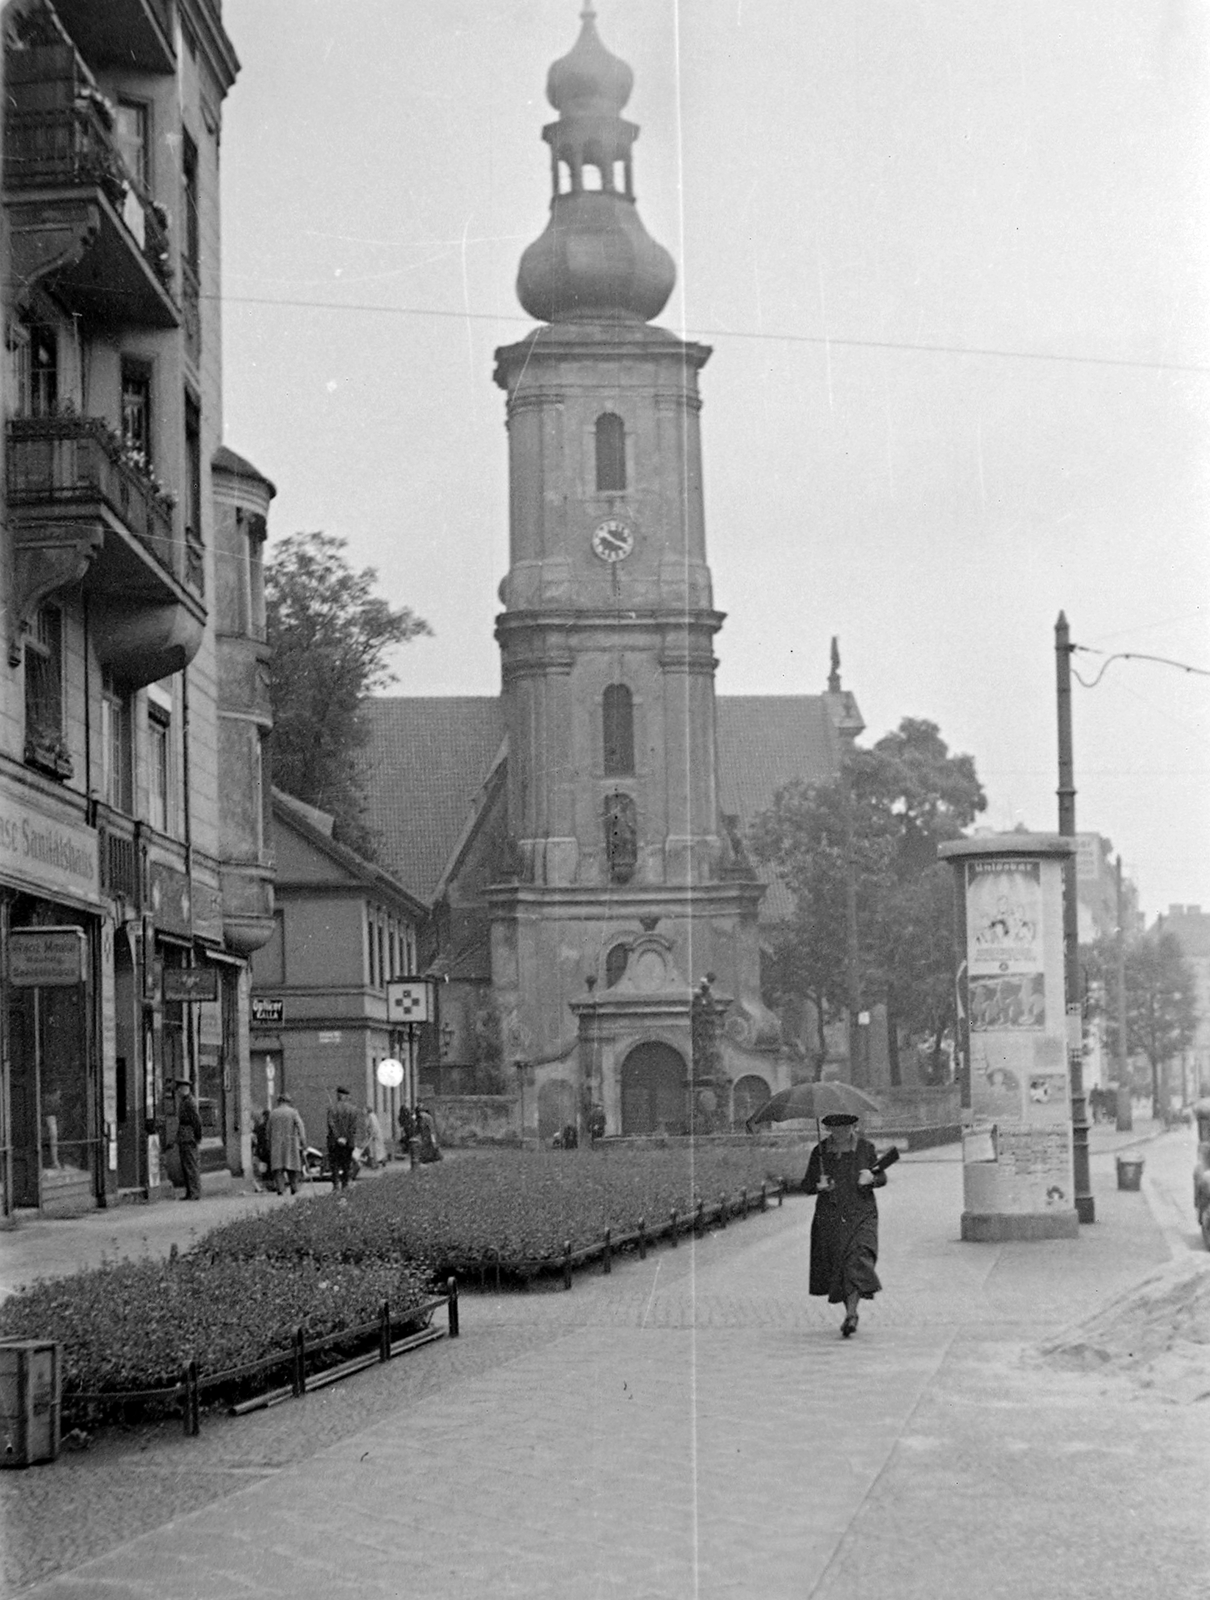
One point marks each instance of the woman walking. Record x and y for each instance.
(843, 1174)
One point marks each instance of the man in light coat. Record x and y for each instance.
(287, 1141)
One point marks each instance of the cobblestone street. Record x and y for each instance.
(693, 1426)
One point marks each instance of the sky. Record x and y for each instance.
(953, 262)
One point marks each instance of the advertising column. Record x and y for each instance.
(1017, 1150)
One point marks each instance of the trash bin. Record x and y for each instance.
(29, 1401)
(1130, 1173)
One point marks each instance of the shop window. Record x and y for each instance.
(44, 745)
(611, 453)
(115, 744)
(617, 717)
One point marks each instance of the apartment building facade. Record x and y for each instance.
(134, 870)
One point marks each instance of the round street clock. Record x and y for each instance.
(613, 539)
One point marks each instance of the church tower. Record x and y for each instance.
(626, 890)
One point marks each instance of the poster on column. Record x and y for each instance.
(1004, 945)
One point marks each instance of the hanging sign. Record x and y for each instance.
(270, 1011)
(409, 1000)
(45, 958)
(190, 985)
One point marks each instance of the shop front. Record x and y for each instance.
(57, 1139)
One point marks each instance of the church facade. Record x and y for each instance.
(597, 884)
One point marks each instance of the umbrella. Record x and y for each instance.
(813, 1100)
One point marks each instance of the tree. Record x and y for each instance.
(330, 636)
(882, 820)
(1161, 1003)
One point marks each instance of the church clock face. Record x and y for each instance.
(613, 539)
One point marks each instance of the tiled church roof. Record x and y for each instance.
(428, 757)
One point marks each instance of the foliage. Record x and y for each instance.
(883, 822)
(133, 1324)
(330, 636)
(514, 1207)
(1161, 999)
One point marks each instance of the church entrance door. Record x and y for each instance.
(655, 1087)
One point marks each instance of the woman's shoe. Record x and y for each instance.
(849, 1325)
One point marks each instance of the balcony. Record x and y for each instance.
(134, 34)
(79, 508)
(80, 221)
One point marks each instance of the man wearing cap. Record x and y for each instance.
(342, 1137)
(843, 1173)
(188, 1137)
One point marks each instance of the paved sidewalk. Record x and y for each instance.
(694, 1427)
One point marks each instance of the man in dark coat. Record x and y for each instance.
(342, 1137)
(188, 1137)
(842, 1173)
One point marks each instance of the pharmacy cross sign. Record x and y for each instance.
(410, 1000)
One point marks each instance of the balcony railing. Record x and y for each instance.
(68, 460)
(73, 145)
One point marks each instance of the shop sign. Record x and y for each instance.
(170, 900)
(268, 1011)
(190, 985)
(45, 958)
(54, 857)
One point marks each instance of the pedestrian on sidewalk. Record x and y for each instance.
(188, 1138)
(376, 1145)
(843, 1174)
(426, 1132)
(287, 1141)
(342, 1138)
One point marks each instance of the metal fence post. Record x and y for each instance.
(672, 1217)
(567, 1263)
(608, 1263)
(642, 1239)
(384, 1331)
(299, 1383)
(722, 1211)
(451, 1289)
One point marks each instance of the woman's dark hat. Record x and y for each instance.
(839, 1119)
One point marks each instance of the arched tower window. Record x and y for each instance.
(611, 452)
(617, 718)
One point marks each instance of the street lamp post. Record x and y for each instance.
(1085, 1204)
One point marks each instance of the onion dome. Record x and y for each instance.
(595, 261)
(589, 80)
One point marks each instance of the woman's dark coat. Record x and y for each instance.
(844, 1230)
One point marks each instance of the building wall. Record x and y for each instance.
(154, 899)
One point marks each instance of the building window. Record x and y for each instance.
(382, 951)
(621, 837)
(159, 770)
(393, 969)
(44, 691)
(33, 369)
(373, 948)
(191, 243)
(611, 452)
(256, 576)
(131, 137)
(617, 717)
(136, 410)
(195, 572)
(115, 745)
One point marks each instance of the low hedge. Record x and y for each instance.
(507, 1208)
(133, 1324)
